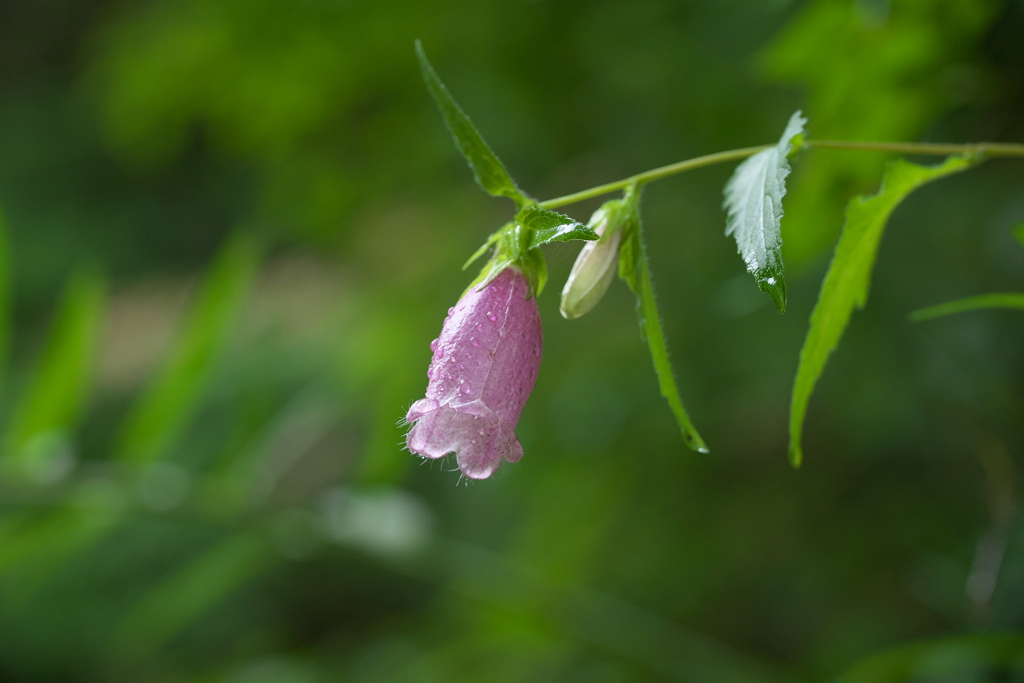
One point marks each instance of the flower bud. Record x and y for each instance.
(595, 267)
(484, 367)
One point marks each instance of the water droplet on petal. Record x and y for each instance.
(433, 345)
(461, 366)
(536, 349)
(474, 342)
(466, 389)
(451, 310)
(493, 318)
(480, 432)
(479, 327)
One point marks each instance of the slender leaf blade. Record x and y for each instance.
(166, 406)
(846, 284)
(548, 226)
(753, 204)
(1018, 233)
(56, 393)
(1012, 300)
(488, 170)
(634, 268)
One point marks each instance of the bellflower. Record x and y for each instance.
(484, 367)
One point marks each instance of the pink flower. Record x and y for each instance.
(484, 367)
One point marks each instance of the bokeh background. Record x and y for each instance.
(232, 227)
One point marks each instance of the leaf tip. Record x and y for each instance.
(694, 442)
(796, 456)
(775, 287)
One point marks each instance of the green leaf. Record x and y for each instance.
(1000, 300)
(1018, 233)
(846, 284)
(170, 400)
(753, 202)
(55, 396)
(634, 268)
(488, 170)
(548, 226)
(535, 268)
(495, 236)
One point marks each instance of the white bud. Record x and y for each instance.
(596, 265)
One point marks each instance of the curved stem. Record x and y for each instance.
(926, 148)
(655, 174)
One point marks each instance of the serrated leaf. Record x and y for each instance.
(846, 284)
(548, 226)
(164, 409)
(1013, 300)
(55, 395)
(753, 202)
(634, 269)
(488, 170)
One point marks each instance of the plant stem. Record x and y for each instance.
(993, 149)
(926, 148)
(655, 174)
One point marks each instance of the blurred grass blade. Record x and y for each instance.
(1018, 233)
(635, 270)
(548, 226)
(34, 548)
(846, 284)
(5, 297)
(488, 170)
(989, 656)
(192, 590)
(973, 303)
(55, 396)
(753, 202)
(168, 403)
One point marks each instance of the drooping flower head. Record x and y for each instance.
(484, 367)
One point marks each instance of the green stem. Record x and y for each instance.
(655, 174)
(992, 149)
(985, 148)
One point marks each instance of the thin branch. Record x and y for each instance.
(995, 149)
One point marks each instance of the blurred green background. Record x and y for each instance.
(232, 227)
